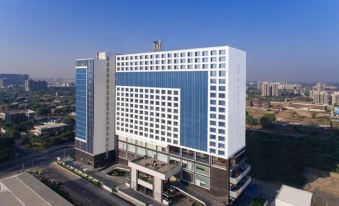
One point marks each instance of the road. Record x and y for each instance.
(27, 160)
(80, 189)
(83, 191)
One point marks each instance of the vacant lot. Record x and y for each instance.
(294, 116)
(324, 186)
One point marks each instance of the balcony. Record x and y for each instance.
(239, 173)
(239, 188)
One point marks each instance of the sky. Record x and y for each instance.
(285, 40)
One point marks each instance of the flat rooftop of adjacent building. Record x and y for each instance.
(13, 112)
(25, 190)
(50, 125)
(294, 196)
(155, 165)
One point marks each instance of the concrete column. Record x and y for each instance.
(134, 178)
(157, 189)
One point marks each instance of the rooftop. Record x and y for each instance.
(50, 125)
(294, 196)
(8, 112)
(24, 189)
(176, 50)
(155, 165)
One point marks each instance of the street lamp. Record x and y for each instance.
(64, 154)
(16, 158)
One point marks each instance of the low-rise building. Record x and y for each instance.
(35, 85)
(48, 129)
(14, 79)
(14, 115)
(17, 115)
(25, 189)
(290, 196)
(258, 103)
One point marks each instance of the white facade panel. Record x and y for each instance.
(103, 133)
(148, 114)
(236, 100)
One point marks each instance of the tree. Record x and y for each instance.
(43, 111)
(6, 144)
(70, 121)
(267, 120)
(250, 120)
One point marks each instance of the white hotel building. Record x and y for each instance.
(179, 121)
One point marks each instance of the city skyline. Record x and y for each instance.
(285, 41)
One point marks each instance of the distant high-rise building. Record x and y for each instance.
(269, 89)
(3, 83)
(14, 79)
(259, 85)
(324, 87)
(290, 89)
(320, 86)
(320, 97)
(95, 106)
(265, 89)
(335, 98)
(35, 85)
(275, 89)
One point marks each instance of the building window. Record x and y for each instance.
(174, 150)
(187, 165)
(213, 130)
(145, 177)
(203, 170)
(213, 73)
(162, 157)
(203, 158)
(219, 162)
(187, 176)
(151, 154)
(202, 181)
(187, 154)
(174, 160)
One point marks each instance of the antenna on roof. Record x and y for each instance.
(157, 45)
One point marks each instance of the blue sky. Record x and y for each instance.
(285, 40)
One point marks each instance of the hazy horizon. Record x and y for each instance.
(285, 40)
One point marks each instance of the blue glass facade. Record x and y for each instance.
(336, 110)
(81, 103)
(193, 100)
